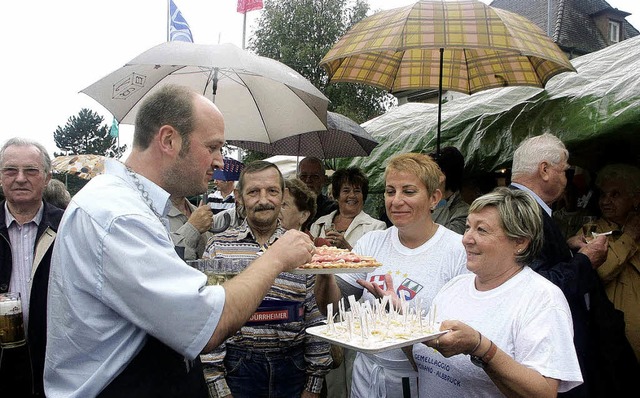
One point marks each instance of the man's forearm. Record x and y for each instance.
(244, 293)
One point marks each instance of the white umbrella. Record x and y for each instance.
(262, 100)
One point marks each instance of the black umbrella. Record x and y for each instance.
(342, 138)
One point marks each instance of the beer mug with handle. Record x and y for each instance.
(11, 321)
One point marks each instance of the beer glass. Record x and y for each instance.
(218, 270)
(11, 322)
(589, 226)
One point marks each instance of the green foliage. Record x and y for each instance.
(85, 134)
(299, 33)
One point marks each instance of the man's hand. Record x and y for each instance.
(201, 218)
(291, 250)
(596, 250)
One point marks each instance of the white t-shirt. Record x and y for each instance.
(527, 317)
(418, 274)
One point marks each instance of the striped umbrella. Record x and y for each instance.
(465, 46)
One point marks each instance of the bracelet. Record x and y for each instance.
(477, 345)
(488, 356)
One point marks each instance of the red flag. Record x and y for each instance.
(245, 6)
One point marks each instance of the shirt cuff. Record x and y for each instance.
(314, 384)
(218, 388)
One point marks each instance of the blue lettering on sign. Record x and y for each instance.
(448, 378)
(424, 367)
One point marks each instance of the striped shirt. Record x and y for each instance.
(239, 246)
(218, 203)
(23, 245)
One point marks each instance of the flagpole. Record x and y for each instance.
(244, 29)
(168, 18)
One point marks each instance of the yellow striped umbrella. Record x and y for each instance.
(465, 46)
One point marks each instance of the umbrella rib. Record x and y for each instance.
(253, 98)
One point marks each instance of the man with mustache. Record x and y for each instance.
(271, 355)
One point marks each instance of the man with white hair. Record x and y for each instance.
(28, 227)
(539, 166)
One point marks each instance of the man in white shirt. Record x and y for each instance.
(127, 316)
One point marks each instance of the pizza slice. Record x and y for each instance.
(327, 257)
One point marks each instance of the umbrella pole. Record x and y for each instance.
(439, 103)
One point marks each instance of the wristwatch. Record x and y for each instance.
(483, 361)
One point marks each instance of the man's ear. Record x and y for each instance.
(543, 170)
(169, 139)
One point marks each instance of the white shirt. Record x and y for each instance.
(527, 317)
(115, 277)
(418, 274)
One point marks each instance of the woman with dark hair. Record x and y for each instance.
(343, 227)
(299, 205)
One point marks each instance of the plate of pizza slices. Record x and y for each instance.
(332, 260)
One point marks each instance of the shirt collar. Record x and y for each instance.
(158, 196)
(546, 208)
(9, 218)
(244, 232)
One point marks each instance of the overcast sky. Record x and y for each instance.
(54, 49)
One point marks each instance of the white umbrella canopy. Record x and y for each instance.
(262, 100)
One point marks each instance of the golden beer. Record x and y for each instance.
(11, 322)
(217, 270)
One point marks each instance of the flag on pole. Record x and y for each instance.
(114, 131)
(245, 6)
(178, 27)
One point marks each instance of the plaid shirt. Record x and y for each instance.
(239, 245)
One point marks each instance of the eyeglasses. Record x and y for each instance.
(14, 171)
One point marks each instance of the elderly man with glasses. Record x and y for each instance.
(28, 228)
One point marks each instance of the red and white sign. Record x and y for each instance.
(245, 6)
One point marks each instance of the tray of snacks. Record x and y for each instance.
(373, 329)
(331, 260)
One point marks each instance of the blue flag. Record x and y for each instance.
(114, 128)
(178, 26)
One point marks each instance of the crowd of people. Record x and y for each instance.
(111, 308)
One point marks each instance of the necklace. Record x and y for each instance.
(143, 192)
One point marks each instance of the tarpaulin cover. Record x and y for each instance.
(596, 113)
